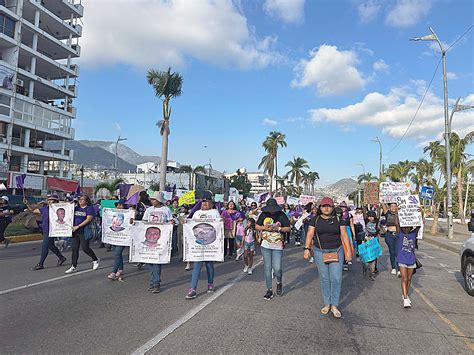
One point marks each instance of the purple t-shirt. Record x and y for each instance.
(406, 248)
(45, 219)
(80, 214)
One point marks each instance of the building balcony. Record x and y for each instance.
(64, 9)
(35, 153)
(48, 44)
(50, 22)
(45, 90)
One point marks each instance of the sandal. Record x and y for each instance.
(112, 276)
(335, 312)
(325, 309)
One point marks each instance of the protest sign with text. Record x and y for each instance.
(371, 193)
(305, 199)
(292, 201)
(389, 191)
(409, 211)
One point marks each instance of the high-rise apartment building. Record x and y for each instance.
(39, 40)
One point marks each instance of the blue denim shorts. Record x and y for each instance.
(238, 239)
(249, 246)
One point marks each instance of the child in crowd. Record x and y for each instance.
(372, 230)
(249, 245)
(406, 259)
(239, 235)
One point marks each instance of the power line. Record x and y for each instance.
(418, 109)
(459, 38)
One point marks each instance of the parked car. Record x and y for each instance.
(467, 259)
(16, 202)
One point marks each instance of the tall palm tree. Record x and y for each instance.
(167, 85)
(297, 166)
(400, 171)
(268, 165)
(459, 161)
(271, 143)
(366, 178)
(313, 176)
(111, 187)
(424, 171)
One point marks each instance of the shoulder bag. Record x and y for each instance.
(332, 257)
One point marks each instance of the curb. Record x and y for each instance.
(25, 238)
(441, 244)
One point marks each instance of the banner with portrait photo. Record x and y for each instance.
(61, 219)
(116, 226)
(203, 240)
(150, 243)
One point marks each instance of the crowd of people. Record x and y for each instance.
(330, 233)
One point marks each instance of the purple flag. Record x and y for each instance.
(263, 197)
(124, 189)
(78, 190)
(133, 200)
(20, 181)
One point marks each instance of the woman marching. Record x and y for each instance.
(331, 248)
(229, 215)
(392, 229)
(406, 259)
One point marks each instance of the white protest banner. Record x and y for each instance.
(203, 240)
(61, 219)
(389, 191)
(409, 211)
(299, 222)
(151, 243)
(305, 199)
(168, 195)
(219, 198)
(291, 200)
(116, 226)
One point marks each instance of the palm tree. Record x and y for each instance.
(400, 171)
(297, 167)
(438, 198)
(459, 162)
(187, 169)
(167, 85)
(271, 144)
(111, 187)
(424, 171)
(268, 165)
(366, 178)
(313, 176)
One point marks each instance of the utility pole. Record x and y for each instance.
(82, 175)
(377, 140)
(119, 139)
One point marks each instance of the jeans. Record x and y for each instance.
(391, 241)
(48, 244)
(155, 274)
(330, 276)
(4, 222)
(272, 260)
(174, 241)
(78, 240)
(118, 258)
(197, 265)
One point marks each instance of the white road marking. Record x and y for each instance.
(443, 265)
(170, 329)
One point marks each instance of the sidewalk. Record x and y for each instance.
(25, 238)
(461, 234)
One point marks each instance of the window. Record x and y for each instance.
(4, 100)
(7, 25)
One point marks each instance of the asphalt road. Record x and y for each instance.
(48, 312)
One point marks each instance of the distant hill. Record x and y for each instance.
(93, 157)
(339, 190)
(124, 152)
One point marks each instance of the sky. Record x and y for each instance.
(332, 75)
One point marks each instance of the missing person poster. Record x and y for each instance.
(116, 226)
(150, 243)
(203, 240)
(61, 218)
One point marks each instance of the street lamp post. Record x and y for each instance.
(119, 139)
(447, 132)
(377, 140)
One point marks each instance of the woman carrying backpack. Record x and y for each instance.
(331, 247)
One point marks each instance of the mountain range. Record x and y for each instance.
(339, 190)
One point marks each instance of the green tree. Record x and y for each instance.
(241, 183)
(297, 166)
(400, 171)
(366, 178)
(167, 85)
(424, 171)
(111, 187)
(272, 142)
(268, 165)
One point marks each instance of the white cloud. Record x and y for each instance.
(160, 33)
(368, 10)
(407, 13)
(381, 66)
(289, 11)
(269, 122)
(393, 112)
(330, 71)
(452, 76)
(117, 126)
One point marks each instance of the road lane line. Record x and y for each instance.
(170, 329)
(451, 325)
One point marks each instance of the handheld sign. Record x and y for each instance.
(409, 211)
(389, 191)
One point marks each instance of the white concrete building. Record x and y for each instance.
(38, 44)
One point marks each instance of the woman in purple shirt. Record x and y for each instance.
(83, 216)
(48, 243)
(229, 215)
(406, 259)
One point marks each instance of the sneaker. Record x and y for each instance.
(240, 252)
(311, 260)
(250, 271)
(156, 289)
(210, 288)
(188, 267)
(406, 303)
(297, 244)
(349, 263)
(112, 276)
(345, 267)
(150, 288)
(191, 294)
(268, 296)
(38, 267)
(95, 264)
(399, 275)
(394, 272)
(372, 277)
(71, 270)
(279, 289)
(246, 268)
(61, 261)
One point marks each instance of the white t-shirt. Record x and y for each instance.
(206, 215)
(157, 214)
